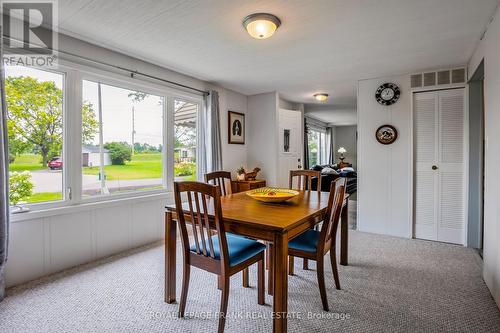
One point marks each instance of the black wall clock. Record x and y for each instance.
(387, 94)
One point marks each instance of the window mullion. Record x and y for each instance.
(73, 138)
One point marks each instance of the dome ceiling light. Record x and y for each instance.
(261, 25)
(322, 97)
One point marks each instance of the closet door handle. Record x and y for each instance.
(434, 167)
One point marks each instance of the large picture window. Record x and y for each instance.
(81, 134)
(35, 130)
(122, 140)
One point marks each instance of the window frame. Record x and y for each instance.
(74, 74)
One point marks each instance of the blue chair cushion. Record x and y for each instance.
(307, 241)
(239, 248)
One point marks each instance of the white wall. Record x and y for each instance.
(262, 135)
(489, 50)
(233, 155)
(345, 136)
(46, 242)
(384, 177)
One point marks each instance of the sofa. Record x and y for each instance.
(330, 172)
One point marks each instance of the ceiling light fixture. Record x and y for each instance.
(261, 25)
(321, 97)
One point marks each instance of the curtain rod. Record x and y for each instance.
(132, 72)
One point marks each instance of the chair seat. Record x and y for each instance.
(307, 241)
(239, 248)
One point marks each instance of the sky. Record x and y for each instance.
(116, 108)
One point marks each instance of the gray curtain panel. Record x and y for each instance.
(215, 132)
(306, 146)
(4, 182)
(331, 145)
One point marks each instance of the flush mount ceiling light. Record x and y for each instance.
(321, 97)
(261, 25)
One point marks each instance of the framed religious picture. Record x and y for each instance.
(236, 127)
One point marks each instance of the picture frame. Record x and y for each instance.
(236, 128)
(386, 134)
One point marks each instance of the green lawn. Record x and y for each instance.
(45, 196)
(30, 162)
(142, 166)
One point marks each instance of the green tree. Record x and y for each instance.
(35, 116)
(119, 152)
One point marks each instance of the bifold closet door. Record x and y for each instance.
(439, 139)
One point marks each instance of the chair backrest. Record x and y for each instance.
(304, 179)
(202, 199)
(333, 212)
(219, 178)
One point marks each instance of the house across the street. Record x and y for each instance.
(90, 156)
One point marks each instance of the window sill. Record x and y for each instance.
(85, 206)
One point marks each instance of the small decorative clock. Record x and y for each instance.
(387, 94)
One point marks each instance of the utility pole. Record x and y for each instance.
(133, 129)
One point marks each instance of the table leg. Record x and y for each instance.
(344, 234)
(170, 257)
(270, 265)
(280, 300)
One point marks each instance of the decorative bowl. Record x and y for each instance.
(270, 194)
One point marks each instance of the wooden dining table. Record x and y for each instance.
(275, 223)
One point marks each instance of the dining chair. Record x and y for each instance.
(219, 178)
(304, 183)
(223, 178)
(223, 254)
(314, 245)
(304, 179)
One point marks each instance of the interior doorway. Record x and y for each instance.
(476, 160)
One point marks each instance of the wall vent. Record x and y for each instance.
(443, 77)
(439, 78)
(429, 79)
(458, 75)
(416, 81)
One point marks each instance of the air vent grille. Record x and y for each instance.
(439, 78)
(458, 75)
(444, 77)
(416, 81)
(429, 79)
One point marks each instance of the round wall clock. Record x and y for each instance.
(386, 134)
(387, 94)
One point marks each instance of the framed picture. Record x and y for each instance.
(386, 134)
(236, 127)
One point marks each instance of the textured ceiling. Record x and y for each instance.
(322, 45)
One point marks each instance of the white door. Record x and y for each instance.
(290, 144)
(439, 183)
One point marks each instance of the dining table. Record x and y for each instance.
(275, 223)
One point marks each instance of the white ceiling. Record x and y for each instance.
(322, 45)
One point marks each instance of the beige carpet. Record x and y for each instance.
(392, 285)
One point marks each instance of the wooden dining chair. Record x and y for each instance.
(223, 254)
(223, 180)
(313, 244)
(220, 178)
(304, 179)
(304, 183)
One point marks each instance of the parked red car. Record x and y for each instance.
(55, 163)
